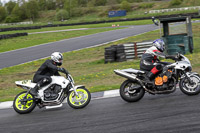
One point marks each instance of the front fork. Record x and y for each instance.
(76, 93)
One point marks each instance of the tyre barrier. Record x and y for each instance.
(19, 28)
(6, 36)
(125, 52)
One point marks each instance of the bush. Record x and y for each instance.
(76, 12)
(175, 2)
(146, 5)
(103, 13)
(62, 15)
(12, 19)
(113, 7)
(125, 6)
(88, 10)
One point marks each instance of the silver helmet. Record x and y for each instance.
(159, 44)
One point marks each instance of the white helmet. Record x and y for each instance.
(57, 57)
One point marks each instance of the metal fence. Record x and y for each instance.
(19, 23)
(124, 52)
(175, 9)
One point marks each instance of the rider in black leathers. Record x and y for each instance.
(47, 69)
(150, 61)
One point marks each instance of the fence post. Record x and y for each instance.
(135, 49)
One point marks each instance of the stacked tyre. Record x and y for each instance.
(120, 54)
(110, 54)
(6, 36)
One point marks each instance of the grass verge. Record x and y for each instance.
(139, 22)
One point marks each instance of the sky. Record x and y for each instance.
(6, 1)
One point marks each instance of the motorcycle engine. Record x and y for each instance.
(162, 82)
(51, 93)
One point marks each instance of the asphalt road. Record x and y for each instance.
(173, 113)
(20, 56)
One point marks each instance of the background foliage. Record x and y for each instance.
(52, 10)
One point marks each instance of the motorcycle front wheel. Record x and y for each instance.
(22, 105)
(190, 89)
(79, 101)
(131, 91)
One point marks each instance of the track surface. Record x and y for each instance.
(20, 56)
(171, 113)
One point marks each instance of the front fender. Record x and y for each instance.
(192, 73)
(77, 86)
(189, 74)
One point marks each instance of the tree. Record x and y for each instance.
(9, 6)
(16, 11)
(32, 9)
(60, 3)
(125, 5)
(2, 13)
(62, 15)
(19, 12)
(23, 10)
(100, 2)
(42, 4)
(70, 5)
(51, 5)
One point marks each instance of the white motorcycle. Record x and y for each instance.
(134, 88)
(50, 95)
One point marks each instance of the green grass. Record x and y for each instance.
(87, 67)
(125, 23)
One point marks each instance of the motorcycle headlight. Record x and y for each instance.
(188, 69)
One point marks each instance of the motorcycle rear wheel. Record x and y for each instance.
(133, 95)
(80, 101)
(23, 107)
(190, 89)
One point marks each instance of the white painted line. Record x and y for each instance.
(111, 93)
(57, 31)
(5, 105)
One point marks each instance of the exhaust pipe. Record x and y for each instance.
(129, 76)
(125, 74)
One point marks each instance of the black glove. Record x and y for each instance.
(63, 70)
(170, 57)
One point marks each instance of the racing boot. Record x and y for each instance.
(154, 71)
(150, 75)
(34, 91)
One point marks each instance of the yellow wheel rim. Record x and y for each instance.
(80, 99)
(21, 106)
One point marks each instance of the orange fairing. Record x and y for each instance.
(159, 81)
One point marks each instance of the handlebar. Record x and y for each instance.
(176, 57)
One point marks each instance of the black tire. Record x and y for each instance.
(134, 95)
(19, 106)
(189, 89)
(83, 92)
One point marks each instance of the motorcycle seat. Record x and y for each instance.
(26, 83)
(130, 70)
